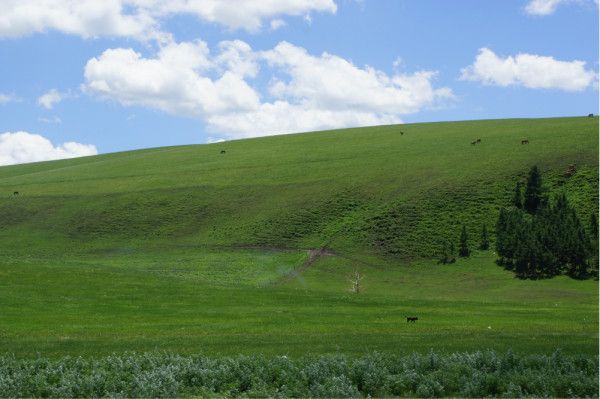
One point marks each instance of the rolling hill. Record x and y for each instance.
(206, 247)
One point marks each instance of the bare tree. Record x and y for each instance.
(355, 280)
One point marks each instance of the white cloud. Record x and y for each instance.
(87, 18)
(172, 82)
(7, 98)
(284, 117)
(50, 98)
(214, 140)
(237, 14)
(22, 147)
(307, 92)
(548, 7)
(55, 120)
(277, 23)
(333, 83)
(238, 57)
(529, 70)
(542, 7)
(141, 19)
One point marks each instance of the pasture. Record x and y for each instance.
(191, 250)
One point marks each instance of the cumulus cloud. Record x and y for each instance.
(22, 147)
(82, 18)
(334, 83)
(141, 19)
(284, 117)
(172, 82)
(529, 70)
(307, 92)
(50, 98)
(240, 14)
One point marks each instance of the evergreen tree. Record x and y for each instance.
(533, 191)
(518, 196)
(501, 235)
(594, 227)
(593, 262)
(549, 241)
(485, 241)
(447, 255)
(463, 248)
(579, 248)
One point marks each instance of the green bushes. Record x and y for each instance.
(156, 374)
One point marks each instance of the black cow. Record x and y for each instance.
(16, 193)
(222, 151)
(411, 318)
(525, 141)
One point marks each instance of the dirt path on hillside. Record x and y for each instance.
(313, 256)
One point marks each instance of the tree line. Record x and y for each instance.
(537, 237)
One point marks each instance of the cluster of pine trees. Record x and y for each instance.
(447, 254)
(538, 238)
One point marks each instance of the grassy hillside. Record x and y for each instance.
(190, 249)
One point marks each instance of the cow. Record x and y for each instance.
(16, 193)
(411, 319)
(223, 151)
(473, 142)
(526, 141)
(401, 133)
(479, 140)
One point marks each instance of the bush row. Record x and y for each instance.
(158, 374)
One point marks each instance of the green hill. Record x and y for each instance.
(191, 249)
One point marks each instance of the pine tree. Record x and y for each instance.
(447, 255)
(452, 251)
(593, 262)
(594, 227)
(485, 241)
(533, 191)
(501, 235)
(463, 248)
(518, 196)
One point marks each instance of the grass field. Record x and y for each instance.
(190, 250)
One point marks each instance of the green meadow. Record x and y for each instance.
(192, 250)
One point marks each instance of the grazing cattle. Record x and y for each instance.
(16, 193)
(401, 133)
(473, 142)
(590, 115)
(479, 140)
(411, 318)
(525, 141)
(222, 151)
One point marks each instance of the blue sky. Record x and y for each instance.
(85, 77)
